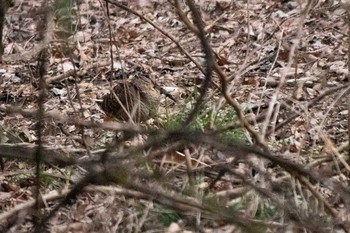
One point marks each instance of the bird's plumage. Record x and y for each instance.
(135, 98)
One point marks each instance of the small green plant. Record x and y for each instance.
(265, 211)
(167, 216)
(209, 119)
(64, 14)
(48, 178)
(51, 180)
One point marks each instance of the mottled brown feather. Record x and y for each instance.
(137, 97)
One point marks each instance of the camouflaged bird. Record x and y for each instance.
(135, 98)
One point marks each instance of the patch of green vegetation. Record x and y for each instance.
(241, 206)
(64, 11)
(210, 201)
(51, 181)
(262, 208)
(167, 216)
(265, 211)
(48, 179)
(210, 118)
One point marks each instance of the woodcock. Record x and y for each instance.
(135, 97)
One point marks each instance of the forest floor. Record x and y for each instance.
(286, 66)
